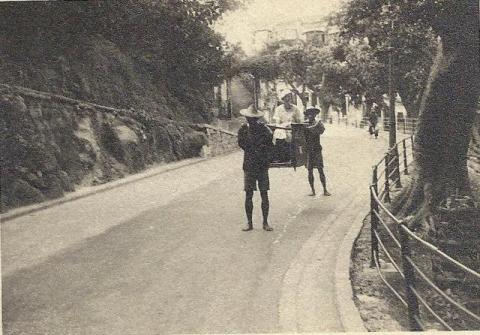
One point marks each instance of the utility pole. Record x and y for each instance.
(228, 83)
(392, 139)
(255, 101)
(391, 86)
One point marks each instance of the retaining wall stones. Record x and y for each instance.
(51, 144)
(220, 141)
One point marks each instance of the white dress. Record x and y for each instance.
(284, 117)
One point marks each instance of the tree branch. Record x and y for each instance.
(295, 90)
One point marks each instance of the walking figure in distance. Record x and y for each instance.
(313, 130)
(255, 138)
(372, 124)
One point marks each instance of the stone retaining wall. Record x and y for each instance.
(220, 141)
(51, 144)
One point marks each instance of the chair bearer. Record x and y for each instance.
(313, 131)
(255, 138)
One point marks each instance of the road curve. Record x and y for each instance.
(166, 254)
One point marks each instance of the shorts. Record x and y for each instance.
(314, 160)
(251, 177)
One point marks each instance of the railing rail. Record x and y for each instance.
(207, 127)
(409, 125)
(403, 125)
(396, 162)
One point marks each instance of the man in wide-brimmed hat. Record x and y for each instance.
(255, 139)
(313, 148)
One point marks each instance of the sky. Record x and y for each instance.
(238, 26)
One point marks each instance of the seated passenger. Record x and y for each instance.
(283, 117)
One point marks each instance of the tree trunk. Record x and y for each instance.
(446, 118)
(324, 108)
(410, 102)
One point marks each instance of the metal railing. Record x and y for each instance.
(398, 159)
(409, 125)
(403, 125)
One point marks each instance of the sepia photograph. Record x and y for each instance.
(239, 166)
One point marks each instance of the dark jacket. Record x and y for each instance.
(256, 142)
(312, 137)
(373, 119)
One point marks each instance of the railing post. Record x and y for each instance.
(373, 217)
(413, 149)
(398, 183)
(375, 179)
(405, 163)
(409, 272)
(387, 177)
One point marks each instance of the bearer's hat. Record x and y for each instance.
(312, 109)
(251, 112)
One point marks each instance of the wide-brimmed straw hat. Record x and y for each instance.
(251, 112)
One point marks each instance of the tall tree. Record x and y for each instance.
(329, 70)
(392, 26)
(172, 40)
(350, 68)
(447, 107)
(301, 66)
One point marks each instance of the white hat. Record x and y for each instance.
(251, 112)
(284, 93)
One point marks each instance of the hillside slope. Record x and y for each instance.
(99, 53)
(94, 70)
(50, 144)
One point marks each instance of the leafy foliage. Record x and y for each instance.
(329, 70)
(404, 28)
(171, 39)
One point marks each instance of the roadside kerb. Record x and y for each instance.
(348, 311)
(88, 191)
(349, 314)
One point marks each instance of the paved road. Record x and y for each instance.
(167, 254)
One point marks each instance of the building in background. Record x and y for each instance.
(309, 29)
(261, 39)
(295, 33)
(234, 94)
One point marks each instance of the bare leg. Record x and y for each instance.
(249, 209)
(323, 180)
(265, 209)
(311, 180)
